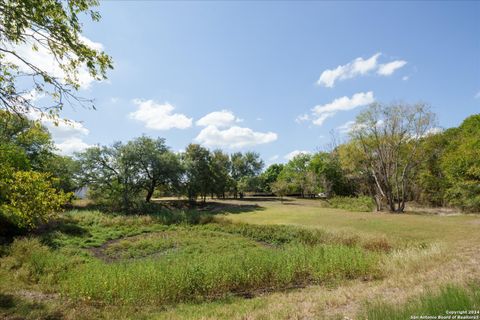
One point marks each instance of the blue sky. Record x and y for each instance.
(176, 62)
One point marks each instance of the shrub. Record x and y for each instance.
(30, 199)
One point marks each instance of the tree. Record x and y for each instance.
(269, 176)
(295, 171)
(220, 167)
(155, 165)
(198, 172)
(280, 188)
(329, 173)
(111, 176)
(461, 164)
(29, 136)
(244, 165)
(51, 29)
(390, 138)
(30, 198)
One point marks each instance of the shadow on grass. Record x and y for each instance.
(48, 232)
(161, 207)
(12, 307)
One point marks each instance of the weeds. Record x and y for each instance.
(431, 304)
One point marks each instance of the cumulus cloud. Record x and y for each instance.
(67, 134)
(358, 67)
(323, 112)
(294, 153)
(233, 137)
(388, 69)
(346, 127)
(223, 118)
(71, 145)
(159, 116)
(44, 59)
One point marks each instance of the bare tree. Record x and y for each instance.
(390, 140)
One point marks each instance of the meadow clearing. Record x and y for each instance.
(257, 258)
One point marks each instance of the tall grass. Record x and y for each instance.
(196, 278)
(449, 298)
(282, 234)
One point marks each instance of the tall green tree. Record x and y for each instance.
(199, 177)
(244, 165)
(52, 28)
(269, 176)
(155, 165)
(461, 164)
(295, 173)
(220, 167)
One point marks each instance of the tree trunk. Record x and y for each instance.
(150, 191)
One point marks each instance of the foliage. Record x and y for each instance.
(269, 176)
(360, 203)
(390, 138)
(198, 171)
(52, 27)
(154, 165)
(30, 199)
(450, 174)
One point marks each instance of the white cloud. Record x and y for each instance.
(357, 67)
(233, 137)
(44, 60)
(302, 118)
(67, 134)
(220, 119)
(346, 127)
(388, 69)
(294, 153)
(405, 78)
(159, 116)
(322, 112)
(477, 96)
(433, 131)
(71, 145)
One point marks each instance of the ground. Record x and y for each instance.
(425, 252)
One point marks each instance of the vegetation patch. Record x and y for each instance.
(361, 203)
(145, 262)
(449, 298)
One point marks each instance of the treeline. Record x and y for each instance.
(392, 156)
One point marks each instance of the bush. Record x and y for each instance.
(30, 199)
(362, 203)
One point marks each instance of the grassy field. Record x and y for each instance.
(251, 259)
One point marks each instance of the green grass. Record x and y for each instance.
(361, 204)
(403, 229)
(194, 264)
(214, 275)
(141, 261)
(448, 298)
